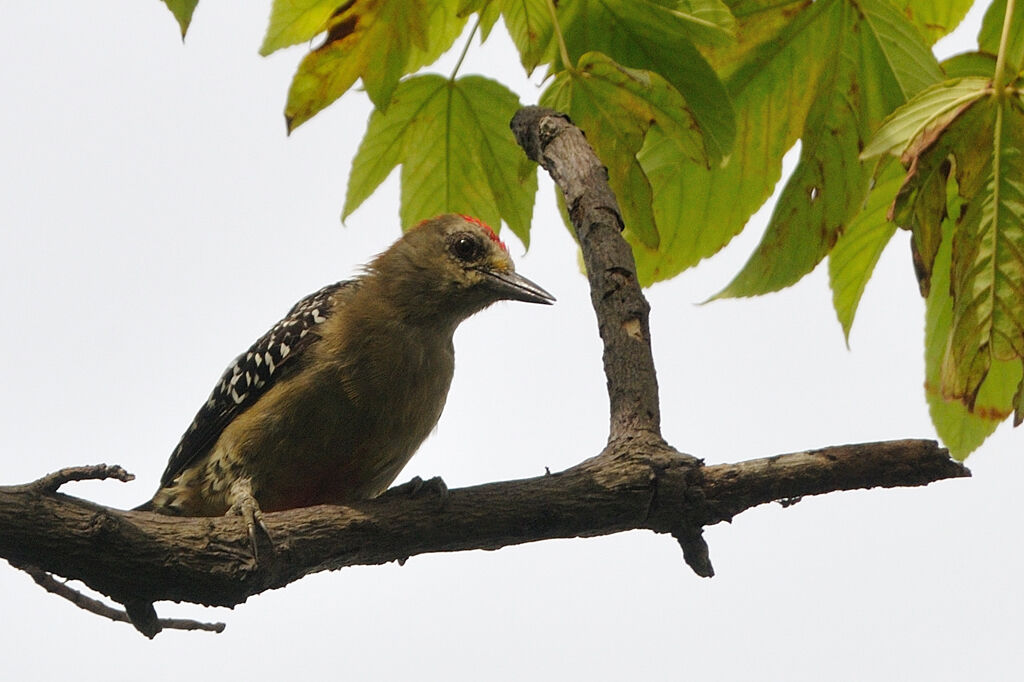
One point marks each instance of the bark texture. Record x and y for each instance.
(637, 482)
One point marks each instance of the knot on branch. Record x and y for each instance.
(677, 503)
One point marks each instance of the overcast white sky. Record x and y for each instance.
(155, 220)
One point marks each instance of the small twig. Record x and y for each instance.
(695, 551)
(51, 482)
(54, 586)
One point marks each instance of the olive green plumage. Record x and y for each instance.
(331, 403)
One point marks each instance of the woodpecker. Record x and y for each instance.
(329, 405)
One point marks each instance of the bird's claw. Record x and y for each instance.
(416, 486)
(246, 506)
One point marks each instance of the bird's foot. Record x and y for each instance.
(417, 486)
(244, 504)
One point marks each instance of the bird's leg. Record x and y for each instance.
(417, 485)
(244, 504)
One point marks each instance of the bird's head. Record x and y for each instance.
(455, 265)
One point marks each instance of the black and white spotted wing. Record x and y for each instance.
(275, 355)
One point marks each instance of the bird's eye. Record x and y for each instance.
(466, 248)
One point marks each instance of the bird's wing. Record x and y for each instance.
(275, 355)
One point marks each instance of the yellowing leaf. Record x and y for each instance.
(456, 151)
(699, 210)
(874, 62)
(296, 21)
(988, 252)
(920, 203)
(378, 41)
(961, 430)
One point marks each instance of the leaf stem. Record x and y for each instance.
(566, 62)
(1000, 78)
(465, 49)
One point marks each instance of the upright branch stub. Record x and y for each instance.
(551, 139)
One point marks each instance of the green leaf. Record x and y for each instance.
(967, 64)
(698, 210)
(529, 24)
(927, 108)
(853, 260)
(370, 39)
(616, 106)
(755, 23)
(920, 203)
(489, 13)
(649, 35)
(876, 60)
(456, 151)
(934, 19)
(988, 252)
(960, 429)
(992, 28)
(182, 11)
(920, 206)
(898, 51)
(709, 21)
(444, 25)
(297, 21)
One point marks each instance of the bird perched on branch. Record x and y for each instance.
(330, 404)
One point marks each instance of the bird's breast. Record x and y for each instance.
(373, 408)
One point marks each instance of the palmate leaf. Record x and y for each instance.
(378, 41)
(922, 133)
(875, 61)
(920, 203)
(961, 429)
(853, 259)
(975, 322)
(616, 106)
(456, 151)
(654, 36)
(699, 209)
(987, 276)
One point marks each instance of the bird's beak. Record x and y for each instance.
(513, 286)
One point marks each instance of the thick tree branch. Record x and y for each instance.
(550, 139)
(143, 557)
(637, 482)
